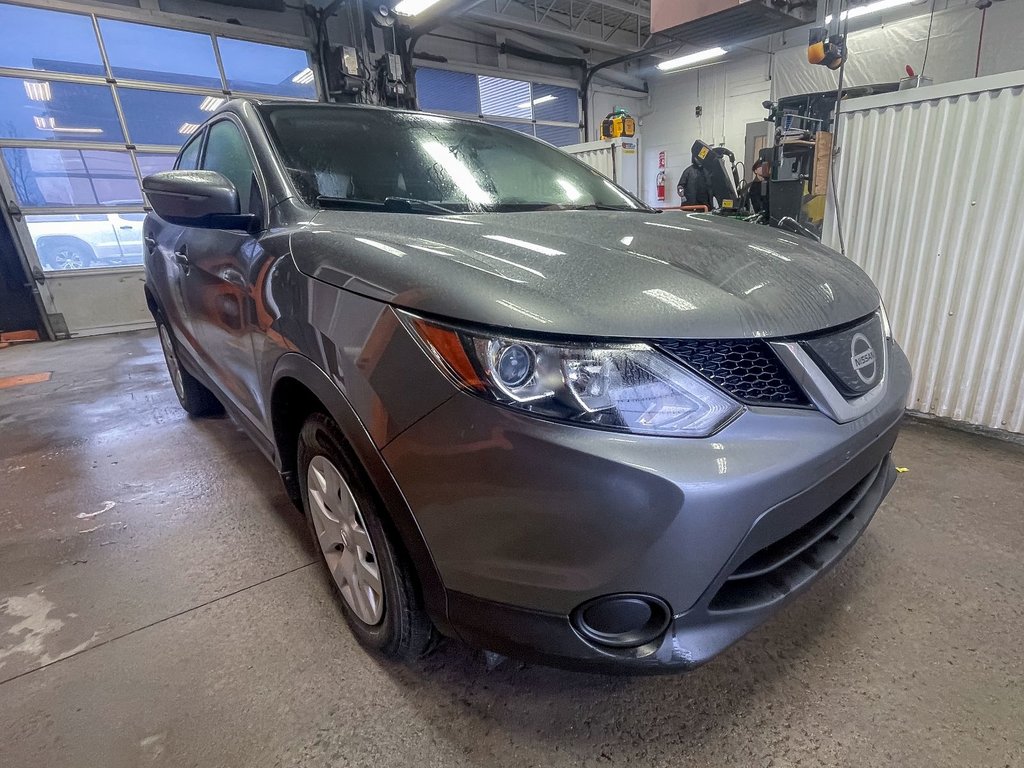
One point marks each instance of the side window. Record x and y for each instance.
(227, 154)
(188, 160)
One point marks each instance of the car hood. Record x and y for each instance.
(590, 273)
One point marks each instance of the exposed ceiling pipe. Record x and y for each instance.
(552, 33)
(588, 76)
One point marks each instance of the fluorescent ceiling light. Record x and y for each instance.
(692, 58)
(187, 129)
(535, 102)
(211, 104)
(37, 91)
(50, 124)
(412, 7)
(864, 10)
(303, 76)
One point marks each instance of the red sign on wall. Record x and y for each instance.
(661, 159)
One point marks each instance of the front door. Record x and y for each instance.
(221, 266)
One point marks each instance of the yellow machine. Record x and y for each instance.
(618, 124)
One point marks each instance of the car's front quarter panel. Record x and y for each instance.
(361, 345)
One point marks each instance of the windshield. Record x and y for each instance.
(374, 158)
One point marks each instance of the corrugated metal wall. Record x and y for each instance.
(930, 194)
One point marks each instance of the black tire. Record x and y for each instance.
(195, 398)
(66, 254)
(404, 631)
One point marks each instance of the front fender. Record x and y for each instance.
(296, 367)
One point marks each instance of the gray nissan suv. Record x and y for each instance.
(518, 406)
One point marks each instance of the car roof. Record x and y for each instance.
(236, 104)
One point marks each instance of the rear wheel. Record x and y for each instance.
(194, 397)
(368, 569)
(66, 255)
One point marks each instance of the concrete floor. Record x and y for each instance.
(160, 604)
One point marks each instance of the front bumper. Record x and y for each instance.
(528, 519)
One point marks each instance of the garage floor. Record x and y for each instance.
(159, 604)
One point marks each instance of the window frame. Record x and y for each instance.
(261, 182)
(200, 137)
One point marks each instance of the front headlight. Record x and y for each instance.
(886, 328)
(628, 387)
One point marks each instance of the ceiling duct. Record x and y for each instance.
(715, 22)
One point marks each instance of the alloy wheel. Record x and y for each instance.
(344, 540)
(66, 257)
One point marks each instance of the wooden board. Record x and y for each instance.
(28, 378)
(822, 162)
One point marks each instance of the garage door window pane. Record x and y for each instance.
(150, 163)
(49, 41)
(159, 117)
(507, 98)
(555, 103)
(86, 240)
(51, 110)
(526, 128)
(557, 135)
(448, 91)
(157, 54)
(266, 69)
(72, 177)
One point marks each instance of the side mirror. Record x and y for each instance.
(196, 199)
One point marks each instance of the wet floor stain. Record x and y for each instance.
(34, 630)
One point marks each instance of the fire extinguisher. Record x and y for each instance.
(661, 186)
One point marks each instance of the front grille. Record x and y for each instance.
(773, 572)
(747, 369)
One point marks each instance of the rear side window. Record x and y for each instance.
(226, 153)
(188, 160)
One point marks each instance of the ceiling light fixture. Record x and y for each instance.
(864, 10)
(535, 102)
(691, 58)
(187, 129)
(413, 7)
(50, 124)
(212, 104)
(37, 91)
(303, 76)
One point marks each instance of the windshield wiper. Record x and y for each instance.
(388, 204)
(398, 203)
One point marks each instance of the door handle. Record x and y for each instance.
(181, 257)
(150, 243)
(125, 226)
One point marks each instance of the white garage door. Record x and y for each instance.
(89, 106)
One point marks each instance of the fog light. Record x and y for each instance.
(622, 621)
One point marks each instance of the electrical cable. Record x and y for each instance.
(835, 143)
(928, 40)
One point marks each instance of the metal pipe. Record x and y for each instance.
(588, 76)
(553, 33)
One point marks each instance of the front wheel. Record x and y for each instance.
(367, 567)
(195, 398)
(66, 255)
